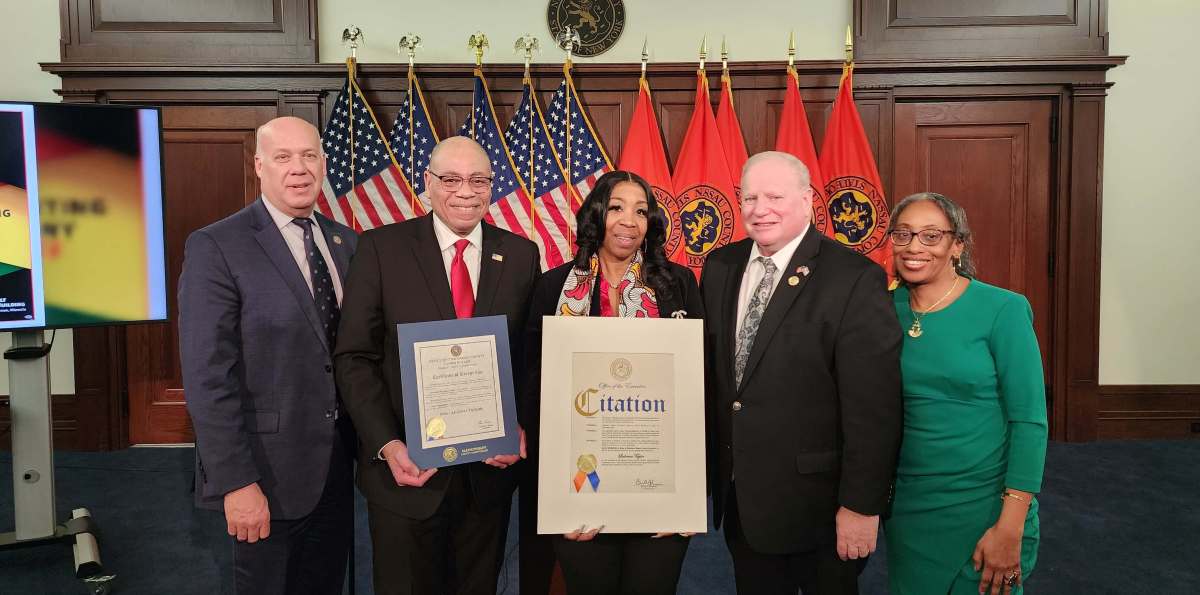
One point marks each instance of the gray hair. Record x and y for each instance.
(958, 223)
(797, 166)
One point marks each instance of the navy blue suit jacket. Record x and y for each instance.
(257, 369)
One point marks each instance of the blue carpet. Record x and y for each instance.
(1117, 517)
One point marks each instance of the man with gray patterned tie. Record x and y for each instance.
(803, 391)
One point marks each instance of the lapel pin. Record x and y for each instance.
(793, 280)
(337, 239)
(498, 257)
(803, 270)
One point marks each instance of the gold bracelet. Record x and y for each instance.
(1014, 496)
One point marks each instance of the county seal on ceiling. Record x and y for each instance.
(599, 23)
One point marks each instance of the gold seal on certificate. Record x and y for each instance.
(586, 463)
(436, 428)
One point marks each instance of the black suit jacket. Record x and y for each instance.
(817, 421)
(685, 297)
(257, 369)
(398, 276)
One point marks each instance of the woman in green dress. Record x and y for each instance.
(964, 519)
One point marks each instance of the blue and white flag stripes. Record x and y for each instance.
(413, 138)
(510, 202)
(578, 147)
(538, 166)
(363, 186)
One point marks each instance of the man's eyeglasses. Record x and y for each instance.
(453, 182)
(929, 237)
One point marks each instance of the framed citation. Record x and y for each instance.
(459, 403)
(622, 425)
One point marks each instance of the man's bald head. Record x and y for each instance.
(290, 164)
(457, 146)
(284, 125)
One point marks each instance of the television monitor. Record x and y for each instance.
(81, 215)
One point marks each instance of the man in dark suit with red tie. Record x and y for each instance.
(803, 380)
(434, 530)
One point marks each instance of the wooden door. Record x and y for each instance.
(208, 174)
(994, 159)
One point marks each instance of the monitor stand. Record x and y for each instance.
(33, 466)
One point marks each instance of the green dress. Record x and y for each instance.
(974, 424)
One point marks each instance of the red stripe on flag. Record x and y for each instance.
(368, 207)
(384, 194)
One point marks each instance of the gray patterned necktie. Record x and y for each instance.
(754, 314)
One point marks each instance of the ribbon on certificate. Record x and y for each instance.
(587, 473)
(581, 478)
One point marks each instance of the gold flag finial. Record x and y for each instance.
(849, 45)
(529, 44)
(792, 49)
(568, 39)
(478, 42)
(703, 51)
(409, 43)
(352, 36)
(645, 55)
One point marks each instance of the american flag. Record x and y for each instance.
(413, 143)
(510, 202)
(363, 186)
(580, 151)
(537, 164)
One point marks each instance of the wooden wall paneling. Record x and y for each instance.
(1148, 411)
(956, 29)
(248, 31)
(994, 159)
(1078, 270)
(209, 152)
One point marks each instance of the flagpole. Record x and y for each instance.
(528, 43)
(409, 43)
(351, 35)
(567, 41)
(477, 42)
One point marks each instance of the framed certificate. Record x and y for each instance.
(459, 403)
(622, 425)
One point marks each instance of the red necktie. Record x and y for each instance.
(460, 282)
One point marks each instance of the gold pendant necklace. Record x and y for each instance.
(915, 330)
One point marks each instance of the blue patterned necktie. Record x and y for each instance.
(322, 283)
(754, 314)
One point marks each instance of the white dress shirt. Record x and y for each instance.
(446, 240)
(293, 236)
(471, 257)
(755, 271)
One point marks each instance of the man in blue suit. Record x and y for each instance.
(259, 305)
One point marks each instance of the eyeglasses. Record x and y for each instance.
(452, 182)
(929, 237)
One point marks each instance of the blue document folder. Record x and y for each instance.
(459, 402)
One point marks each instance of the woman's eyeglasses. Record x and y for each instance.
(929, 237)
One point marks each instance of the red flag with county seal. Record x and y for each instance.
(705, 205)
(731, 134)
(795, 137)
(858, 213)
(644, 154)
